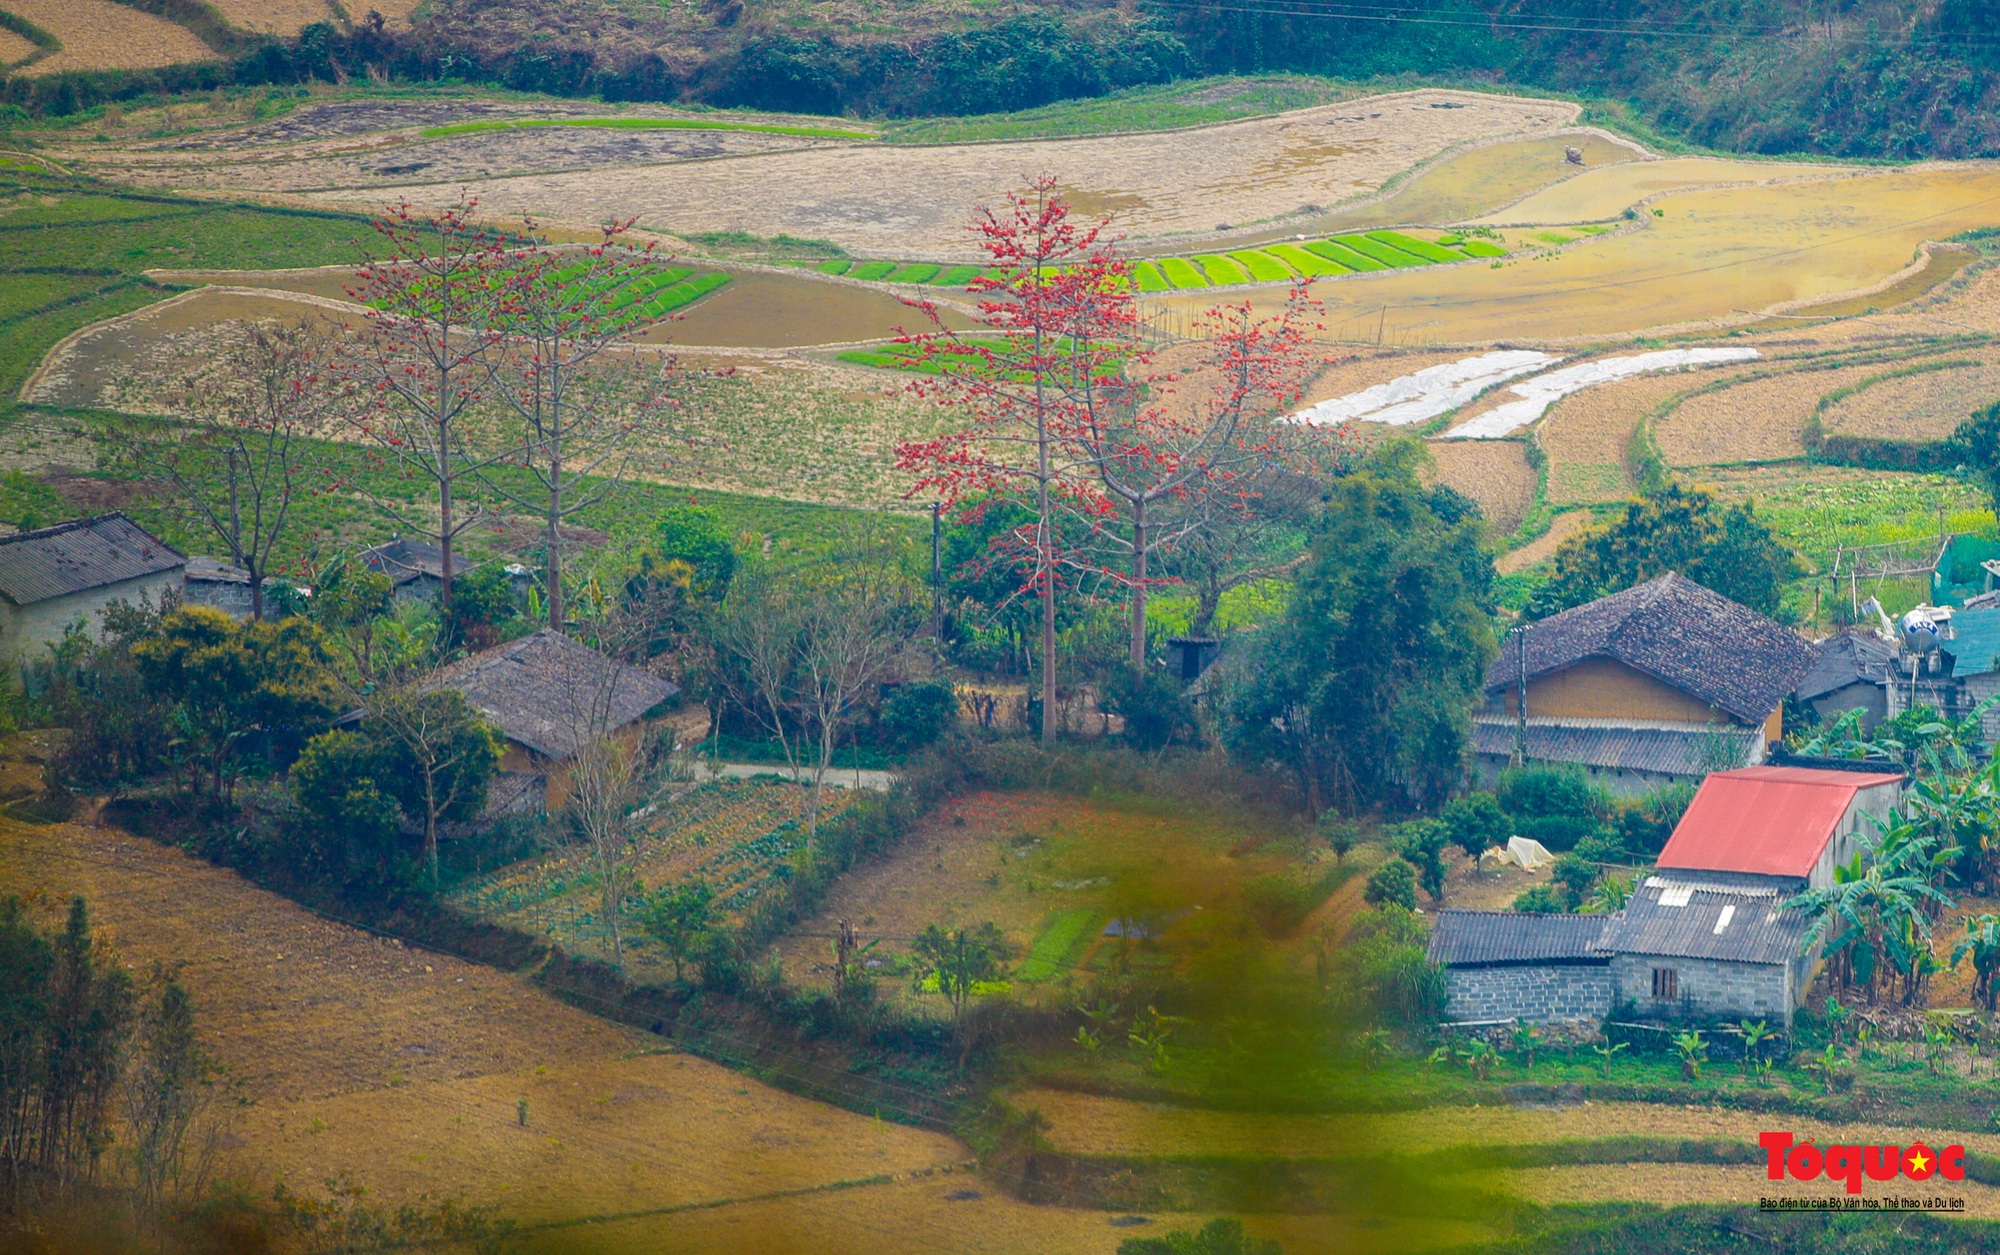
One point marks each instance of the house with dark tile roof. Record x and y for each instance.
(55, 577)
(1652, 685)
(1850, 671)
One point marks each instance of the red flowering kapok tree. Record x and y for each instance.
(424, 359)
(1068, 416)
(1059, 329)
(583, 404)
(1189, 451)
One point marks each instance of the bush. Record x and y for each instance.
(1217, 1237)
(1385, 967)
(916, 715)
(1476, 823)
(1156, 715)
(1560, 833)
(1392, 884)
(1542, 792)
(1544, 898)
(482, 599)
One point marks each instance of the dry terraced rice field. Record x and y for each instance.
(1495, 473)
(1713, 255)
(278, 17)
(1602, 194)
(1927, 405)
(1541, 549)
(14, 47)
(101, 35)
(1588, 435)
(894, 202)
(1758, 420)
(1482, 179)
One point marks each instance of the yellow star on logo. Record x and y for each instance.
(1917, 1162)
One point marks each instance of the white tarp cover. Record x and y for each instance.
(1427, 393)
(1528, 852)
(1539, 393)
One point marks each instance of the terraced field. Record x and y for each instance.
(102, 35)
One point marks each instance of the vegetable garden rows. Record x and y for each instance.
(1273, 263)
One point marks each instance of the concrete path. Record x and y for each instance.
(839, 778)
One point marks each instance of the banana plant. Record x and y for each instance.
(1981, 943)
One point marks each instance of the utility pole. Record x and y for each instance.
(1520, 754)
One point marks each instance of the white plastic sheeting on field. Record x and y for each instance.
(1427, 393)
(1539, 393)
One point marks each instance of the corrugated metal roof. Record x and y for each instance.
(1712, 922)
(1488, 938)
(1676, 631)
(403, 560)
(1769, 821)
(1975, 643)
(1677, 751)
(72, 557)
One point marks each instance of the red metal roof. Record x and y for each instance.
(1772, 821)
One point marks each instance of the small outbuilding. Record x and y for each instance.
(1784, 827)
(548, 695)
(208, 582)
(55, 577)
(1509, 965)
(1710, 948)
(1850, 671)
(415, 568)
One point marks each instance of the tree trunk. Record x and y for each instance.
(555, 536)
(1139, 586)
(1049, 660)
(444, 520)
(431, 821)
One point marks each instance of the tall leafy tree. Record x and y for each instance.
(1363, 689)
(1726, 548)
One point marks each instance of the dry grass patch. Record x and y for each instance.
(101, 35)
(1543, 547)
(1495, 473)
(1481, 180)
(1763, 419)
(1597, 195)
(276, 17)
(909, 202)
(1917, 407)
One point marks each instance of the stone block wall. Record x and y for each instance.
(1536, 993)
(1708, 989)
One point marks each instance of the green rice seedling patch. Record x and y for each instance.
(638, 124)
(1222, 271)
(1415, 247)
(1262, 267)
(1149, 278)
(1376, 249)
(915, 272)
(1483, 248)
(955, 276)
(1312, 265)
(838, 266)
(1181, 273)
(1059, 946)
(1555, 237)
(873, 270)
(1342, 255)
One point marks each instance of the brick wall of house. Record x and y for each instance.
(1706, 989)
(1537, 993)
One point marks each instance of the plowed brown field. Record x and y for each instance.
(1926, 406)
(100, 35)
(1759, 420)
(1495, 473)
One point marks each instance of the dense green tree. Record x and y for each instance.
(1363, 690)
(352, 823)
(1421, 843)
(1476, 824)
(1728, 549)
(691, 534)
(437, 758)
(1392, 884)
(952, 963)
(482, 602)
(680, 919)
(229, 679)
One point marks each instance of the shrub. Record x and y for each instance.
(1538, 792)
(1217, 1237)
(1574, 876)
(1156, 714)
(1544, 898)
(916, 715)
(1421, 844)
(482, 599)
(1476, 823)
(1385, 967)
(1392, 884)
(1560, 833)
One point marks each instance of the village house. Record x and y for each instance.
(415, 568)
(548, 695)
(1706, 937)
(1656, 684)
(55, 577)
(208, 582)
(1850, 671)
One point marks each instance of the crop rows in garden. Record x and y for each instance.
(1273, 263)
(640, 295)
(740, 836)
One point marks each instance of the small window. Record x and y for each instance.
(1666, 984)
